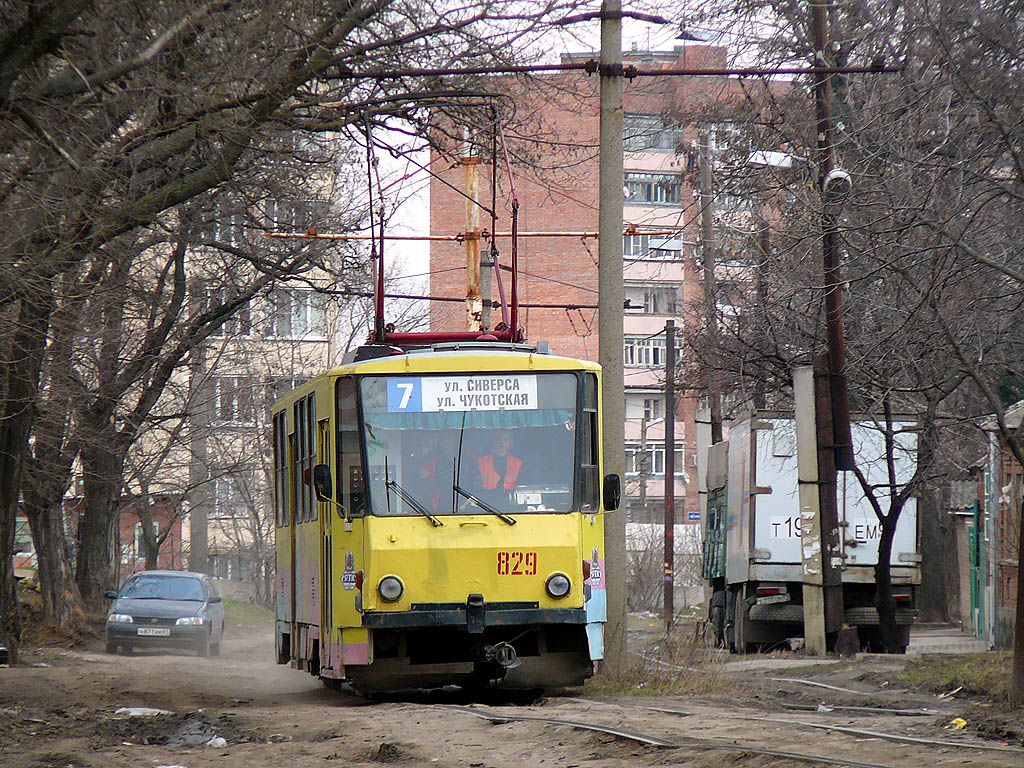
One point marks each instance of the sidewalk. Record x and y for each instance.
(943, 638)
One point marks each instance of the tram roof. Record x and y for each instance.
(458, 357)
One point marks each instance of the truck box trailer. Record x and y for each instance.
(752, 534)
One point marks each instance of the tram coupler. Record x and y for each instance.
(503, 654)
(475, 621)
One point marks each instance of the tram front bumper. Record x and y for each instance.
(474, 615)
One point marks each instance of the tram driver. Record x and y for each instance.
(498, 468)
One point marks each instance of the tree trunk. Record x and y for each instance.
(47, 473)
(884, 601)
(102, 464)
(21, 386)
(62, 602)
(1017, 675)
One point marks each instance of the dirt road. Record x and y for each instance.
(63, 714)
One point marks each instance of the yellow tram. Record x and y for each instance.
(439, 517)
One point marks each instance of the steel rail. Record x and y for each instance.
(840, 728)
(657, 741)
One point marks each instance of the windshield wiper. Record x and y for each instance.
(483, 504)
(408, 498)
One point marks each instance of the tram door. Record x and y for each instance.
(323, 456)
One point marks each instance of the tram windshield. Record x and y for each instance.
(470, 443)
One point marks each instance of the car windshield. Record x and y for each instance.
(507, 439)
(163, 588)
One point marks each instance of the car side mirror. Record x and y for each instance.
(110, 595)
(215, 599)
(611, 493)
(322, 485)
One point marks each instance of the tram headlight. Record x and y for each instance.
(558, 585)
(390, 589)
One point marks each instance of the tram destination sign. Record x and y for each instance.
(479, 392)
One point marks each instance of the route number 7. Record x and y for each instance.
(407, 388)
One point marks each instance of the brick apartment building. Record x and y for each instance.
(558, 275)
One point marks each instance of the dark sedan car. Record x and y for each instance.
(166, 609)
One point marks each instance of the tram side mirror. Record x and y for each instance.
(322, 486)
(611, 492)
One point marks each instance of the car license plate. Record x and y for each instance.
(155, 631)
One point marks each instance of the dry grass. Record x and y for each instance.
(677, 664)
(985, 675)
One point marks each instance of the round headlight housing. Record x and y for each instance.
(558, 585)
(390, 589)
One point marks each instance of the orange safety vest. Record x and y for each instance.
(489, 475)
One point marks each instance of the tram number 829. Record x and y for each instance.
(517, 563)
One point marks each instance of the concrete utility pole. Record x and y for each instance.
(610, 298)
(810, 531)
(670, 470)
(200, 495)
(707, 246)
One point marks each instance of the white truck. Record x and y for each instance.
(752, 533)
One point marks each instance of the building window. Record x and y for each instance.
(240, 321)
(649, 133)
(296, 314)
(229, 498)
(140, 541)
(726, 136)
(655, 460)
(225, 225)
(227, 566)
(232, 400)
(652, 299)
(653, 188)
(641, 247)
(652, 408)
(294, 215)
(645, 352)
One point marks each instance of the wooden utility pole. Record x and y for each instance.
(670, 470)
(610, 299)
(832, 407)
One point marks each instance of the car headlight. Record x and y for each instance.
(558, 585)
(390, 588)
(188, 621)
(119, 618)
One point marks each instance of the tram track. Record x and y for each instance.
(666, 736)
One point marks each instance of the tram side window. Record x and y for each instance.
(307, 470)
(280, 471)
(298, 411)
(589, 449)
(351, 489)
(305, 419)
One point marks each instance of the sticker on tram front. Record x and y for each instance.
(517, 563)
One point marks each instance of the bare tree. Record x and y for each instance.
(113, 119)
(930, 238)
